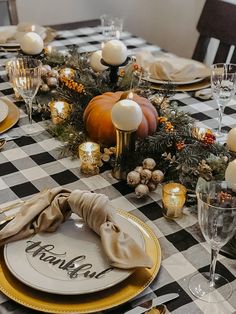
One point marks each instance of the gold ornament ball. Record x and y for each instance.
(133, 178)
(53, 73)
(141, 190)
(138, 169)
(45, 88)
(149, 163)
(146, 175)
(52, 81)
(69, 73)
(45, 70)
(151, 185)
(157, 176)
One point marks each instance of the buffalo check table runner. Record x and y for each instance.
(29, 163)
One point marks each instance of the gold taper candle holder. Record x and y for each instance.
(125, 144)
(89, 154)
(173, 199)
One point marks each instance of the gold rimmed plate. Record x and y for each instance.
(90, 302)
(12, 117)
(186, 88)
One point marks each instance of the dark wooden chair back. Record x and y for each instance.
(11, 10)
(217, 20)
(74, 25)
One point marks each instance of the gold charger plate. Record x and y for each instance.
(12, 117)
(187, 88)
(93, 302)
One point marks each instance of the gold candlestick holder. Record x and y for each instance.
(125, 144)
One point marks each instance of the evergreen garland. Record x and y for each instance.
(180, 150)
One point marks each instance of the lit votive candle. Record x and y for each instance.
(173, 199)
(60, 111)
(89, 154)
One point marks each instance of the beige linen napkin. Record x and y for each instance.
(6, 36)
(47, 210)
(13, 34)
(171, 68)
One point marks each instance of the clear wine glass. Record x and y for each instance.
(111, 27)
(223, 82)
(217, 220)
(26, 78)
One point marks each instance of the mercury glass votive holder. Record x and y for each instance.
(173, 199)
(89, 154)
(60, 110)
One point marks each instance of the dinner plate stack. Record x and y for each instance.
(184, 74)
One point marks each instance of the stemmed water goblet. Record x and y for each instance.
(217, 220)
(26, 79)
(111, 27)
(223, 83)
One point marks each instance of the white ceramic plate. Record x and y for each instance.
(3, 110)
(73, 244)
(152, 80)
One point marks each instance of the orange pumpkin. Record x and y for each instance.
(97, 117)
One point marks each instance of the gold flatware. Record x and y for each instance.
(6, 219)
(18, 203)
(2, 143)
(9, 207)
(161, 309)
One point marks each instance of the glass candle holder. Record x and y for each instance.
(89, 154)
(173, 199)
(60, 111)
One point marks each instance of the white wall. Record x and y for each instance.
(170, 24)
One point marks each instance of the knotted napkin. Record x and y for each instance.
(167, 67)
(47, 210)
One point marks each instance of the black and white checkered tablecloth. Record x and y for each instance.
(32, 162)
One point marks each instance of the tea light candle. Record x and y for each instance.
(114, 52)
(173, 199)
(89, 154)
(126, 115)
(231, 140)
(60, 110)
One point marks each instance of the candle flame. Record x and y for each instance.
(48, 49)
(130, 95)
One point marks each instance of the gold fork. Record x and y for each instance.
(6, 219)
(9, 207)
(18, 203)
